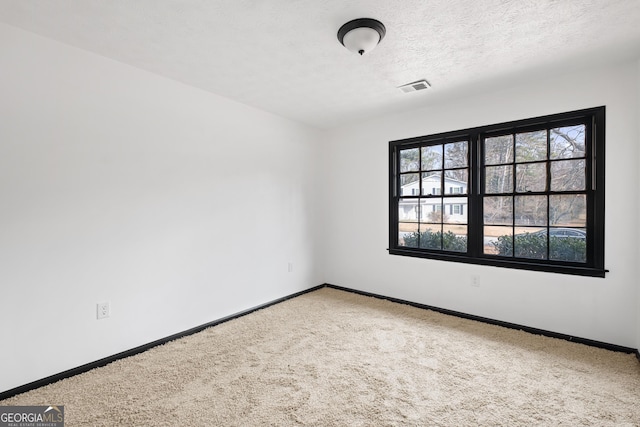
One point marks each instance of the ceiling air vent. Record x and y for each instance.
(415, 86)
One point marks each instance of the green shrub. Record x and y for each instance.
(568, 249)
(448, 241)
(534, 246)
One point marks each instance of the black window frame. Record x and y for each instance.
(594, 120)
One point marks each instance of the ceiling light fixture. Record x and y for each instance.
(361, 35)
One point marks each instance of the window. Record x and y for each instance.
(527, 194)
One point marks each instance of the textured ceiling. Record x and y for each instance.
(283, 56)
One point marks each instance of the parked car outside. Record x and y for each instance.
(562, 232)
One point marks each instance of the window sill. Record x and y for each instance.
(576, 270)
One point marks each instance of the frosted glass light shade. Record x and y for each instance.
(361, 40)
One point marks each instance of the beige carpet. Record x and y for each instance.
(331, 358)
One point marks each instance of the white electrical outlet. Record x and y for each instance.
(103, 310)
(290, 267)
(475, 281)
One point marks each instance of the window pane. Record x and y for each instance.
(499, 179)
(567, 142)
(457, 178)
(432, 210)
(498, 210)
(454, 238)
(531, 177)
(568, 175)
(456, 154)
(409, 184)
(498, 150)
(408, 210)
(498, 241)
(568, 210)
(455, 211)
(430, 236)
(530, 245)
(531, 146)
(432, 157)
(407, 232)
(432, 184)
(568, 244)
(531, 210)
(409, 160)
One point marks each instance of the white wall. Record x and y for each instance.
(638, 203)
(177, 206)
(356, 221)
